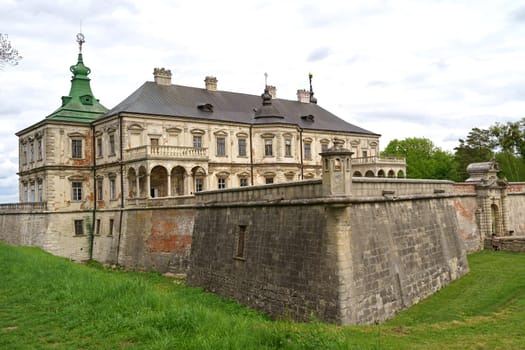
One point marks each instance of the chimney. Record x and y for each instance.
(272, 90)
(303, 96)
(162, 76)
(211, 83)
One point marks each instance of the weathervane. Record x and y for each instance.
(80, 40)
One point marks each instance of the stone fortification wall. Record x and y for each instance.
(337, 259)
(516, 208)
(510, 244)
(157, 238)
(24, 225)
(406, 252)
(374, 187)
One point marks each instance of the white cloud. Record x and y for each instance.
(402, 68)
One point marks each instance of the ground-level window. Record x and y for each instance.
(243, 181)
(76, 188)
(97, 229)
(79, 227)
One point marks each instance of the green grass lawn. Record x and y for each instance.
(50, 303)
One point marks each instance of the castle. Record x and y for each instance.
(277, 203)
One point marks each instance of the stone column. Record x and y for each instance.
(148, 186)
(137, 183)
(169, 184)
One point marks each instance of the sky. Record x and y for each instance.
(400, 68)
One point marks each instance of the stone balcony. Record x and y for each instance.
(379, 166)
(166, 152)
(393, 161)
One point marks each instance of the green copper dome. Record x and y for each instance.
(80, 105)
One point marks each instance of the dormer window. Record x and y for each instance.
(86, 100)
(308, 118)
(205, 107)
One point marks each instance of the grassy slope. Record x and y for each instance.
(48, 302)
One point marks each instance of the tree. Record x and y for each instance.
(8, 54)
(424, 159)
(478, 147)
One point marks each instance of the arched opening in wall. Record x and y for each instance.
(158, 182)
(391, 173)
(381, 173)
(178, 175)
(198, 175)
(495, 220)
(132, 183)
(369, 173)
(143, 178)
(400, 174)
(357, 174)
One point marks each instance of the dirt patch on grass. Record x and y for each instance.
(10, 328)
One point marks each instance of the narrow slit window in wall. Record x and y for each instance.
(241, 241)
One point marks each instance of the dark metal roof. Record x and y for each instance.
(184, 101)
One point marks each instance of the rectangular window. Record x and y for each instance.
(324, 147)
(288, 148)
(242, 147)
(39, 149)
(25, 193)
(199, 184)
(32, 152)
(365, 154)
(268, 147)
(112, 144)
(99, 147)
(100, 189)
(112, 189)
(269, 180)
(111, 224)
(32, 192)
(24, 154)
(40, 191)
(79, 227)
(241, 242)
(221, 183)
(221, 146)
(76, 191)
(76, 149)
(243, 181)
(197, 141)
(97, 229)
(308, 151)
